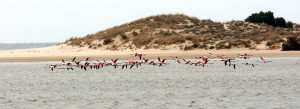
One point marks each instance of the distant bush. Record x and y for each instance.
(134, 33)
(195, 45)
(268, 18)
(222, 45)
(261, 17)
(203, 46)
(141, 41)
(291, 44)
(123, 36)
(279, 22)
(187, 47)
(189, 38)
(90, 46)
(270, 43)
(107, 41)
(289, 24)
(170, 40)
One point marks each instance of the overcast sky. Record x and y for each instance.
(58, 20)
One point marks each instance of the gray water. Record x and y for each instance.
(282, 65)
(13, 46)
(267, 85)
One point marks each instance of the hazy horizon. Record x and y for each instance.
(56, 21)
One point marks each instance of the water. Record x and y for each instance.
(267, 85)
(12, 46)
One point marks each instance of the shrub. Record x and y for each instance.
(270, 43)
(289, 24)
(195, 45)
(134, 33)
(203, 46)
(189, 38)
(170, 40)
(291, 44)
(123, 36)
(279, 22)
(187, 47)
(107, 41)
(261, 17)
(141, 41)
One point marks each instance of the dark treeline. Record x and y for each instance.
(268, 18)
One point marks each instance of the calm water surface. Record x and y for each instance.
(267, 85)
(278, 65)
(13, 46)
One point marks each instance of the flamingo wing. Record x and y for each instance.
(158, 59)
(73, 59)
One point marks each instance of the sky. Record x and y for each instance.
(58, 20)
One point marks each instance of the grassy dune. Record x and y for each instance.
(186, 33)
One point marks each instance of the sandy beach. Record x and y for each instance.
(56, 53)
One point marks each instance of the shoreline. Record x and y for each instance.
(56, 53)
(22, 60)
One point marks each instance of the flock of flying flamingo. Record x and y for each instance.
(200, 61)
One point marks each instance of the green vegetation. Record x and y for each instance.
(268, 18)
(157, 32)
(292, 43)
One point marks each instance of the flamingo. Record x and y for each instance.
(73, 59)
(139, 55)
(244, 56)
(228, 60)
(177, 61)
(247, 63)
(135, 64)
(175, 58)
(67, 64)
(212, 56)
(222, 59)
(195, 63)
(152, 63)
(145, 60)
(186, 62)
(263, 60)
(161, 62)
(69, 68)
(204, 60)
(52, 66)
(125, 65)
(87, 59)
(114, 63)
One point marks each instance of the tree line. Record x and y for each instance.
(268, 18)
